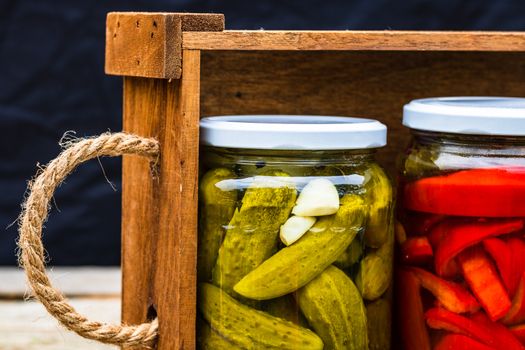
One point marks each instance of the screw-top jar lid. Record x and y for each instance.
(292, 132)
(467, 115)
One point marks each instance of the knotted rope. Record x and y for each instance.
(34, 214)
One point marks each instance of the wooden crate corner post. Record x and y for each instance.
(159, 213)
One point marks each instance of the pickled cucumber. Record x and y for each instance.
(253, 232)
(294, 266)
(379, 318)
(333, 307)
(248, 328)
(208, 339)
(286, 307)
(379, 199)
(216, 209)
(420, 162)
(351, 255)
(375, 270)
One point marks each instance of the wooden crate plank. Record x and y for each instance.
(363, 84)
(26, 325)
(150, 44)
(72, 281)
(355, 40)
(159, 216)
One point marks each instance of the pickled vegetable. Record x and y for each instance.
(295, 227)
(253, 231)
(333, 307)
(482, 278)
(294, 266)
(379, 198)
(378, 315)
(248, 328)
(375, 270)
(351, 255)
(216, 209)
(271, 279)
(208, 339)
(318, 198)
(286, 307)
(413, 332)
(475, 192)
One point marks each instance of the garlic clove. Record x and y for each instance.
(295, 227)
(318, 198)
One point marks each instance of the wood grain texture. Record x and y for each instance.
(361, 84)
(149, 45)
(144, 112)
(159, 216)
(355, 40)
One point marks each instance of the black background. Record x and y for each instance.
(52, 80)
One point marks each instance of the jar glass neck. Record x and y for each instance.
(465, 140)
(303, 157)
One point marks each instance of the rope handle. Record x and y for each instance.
(31, 251)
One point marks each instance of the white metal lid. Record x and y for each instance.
(467, 115)
(292, 132)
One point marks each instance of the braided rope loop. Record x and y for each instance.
(31, 250)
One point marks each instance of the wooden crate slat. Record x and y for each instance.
(355, 40)
(150, 44)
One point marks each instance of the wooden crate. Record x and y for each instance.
(179, 67)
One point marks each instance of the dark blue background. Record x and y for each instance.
(52, 80)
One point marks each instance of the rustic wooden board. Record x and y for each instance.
(159, 216)
(150, 44)
(361, 84)
(86, 281)
(242, 40)
(26, 325)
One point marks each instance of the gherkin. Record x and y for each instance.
(215, 211)
(248, 328)
(334, 308)
(296, 265)
(379, 199)
(253, 232)
(379, 320)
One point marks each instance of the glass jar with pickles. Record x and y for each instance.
(295, 245)
(460, 272)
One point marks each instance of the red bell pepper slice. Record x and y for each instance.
(478, 327)
(517, 250)
(494, 192)
(516, 313)
(519, 332)
(416, 250)
(460, 342)
(459, 235)
(505, 339)
(414, 333)
(501, 254)
(438, 318)
(451, 295)
(480, 274)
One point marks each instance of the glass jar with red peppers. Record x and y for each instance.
(460, 232)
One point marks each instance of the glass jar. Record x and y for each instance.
(460, 272)
(295, 243)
